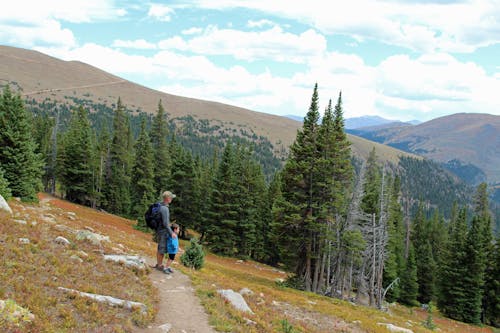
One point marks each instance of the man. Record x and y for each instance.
(164, 229)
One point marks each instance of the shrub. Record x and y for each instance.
(193, 257)
(4, 186)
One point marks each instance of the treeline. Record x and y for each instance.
(342, 232)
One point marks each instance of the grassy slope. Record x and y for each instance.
(40, 76)
(32, 273)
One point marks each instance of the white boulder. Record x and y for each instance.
(235, 299)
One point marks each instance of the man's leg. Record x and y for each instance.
(159, 258)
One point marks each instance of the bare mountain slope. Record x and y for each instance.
(39, 76)
(463, 138)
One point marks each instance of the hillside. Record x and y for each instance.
(41, 78)
(34, 270)
(468, 143)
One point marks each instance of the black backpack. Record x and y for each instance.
(153, 216)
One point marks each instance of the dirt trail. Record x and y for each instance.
(180, 310)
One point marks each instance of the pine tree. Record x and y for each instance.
(409, 285)
(182, 183)
(223, 212)
(162, 163)
(394, 264)
(117, 190)
(21, 164)
(452, 296)
(300, 205)
(426, 264)
(76, 164)
(143, 191)
(193, 257)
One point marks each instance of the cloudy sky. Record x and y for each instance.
(409, 59)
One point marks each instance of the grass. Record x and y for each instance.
(32, 272)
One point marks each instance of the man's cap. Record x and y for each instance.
(168, 194)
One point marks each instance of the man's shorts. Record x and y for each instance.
(162, 242)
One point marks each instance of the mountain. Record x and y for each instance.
(466, 143)
(44, 79)
(365, 121)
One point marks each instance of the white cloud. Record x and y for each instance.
(46, 32)
(29, 23)
(192, 31)
(75, 11)
(160, 12)
(260, 23)
(272, 44)
(133, 44)
(461, 26)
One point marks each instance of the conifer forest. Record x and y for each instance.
(359, 229)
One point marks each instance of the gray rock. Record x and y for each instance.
(77, 258)
(4, 206)
(235, 299)
(62, 241)
(395, 329)
(21, 222)
(128, 260)
(94, 238)
(11, 312)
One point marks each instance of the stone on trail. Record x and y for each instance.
(235, 299)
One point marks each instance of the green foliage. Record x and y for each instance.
(143, 190)
(117, 177)
(21, 164)
(429, 321)
(286, 327)
(193, 256)
(161, 154)
(409, 284)
(76, 160)
(4, 186)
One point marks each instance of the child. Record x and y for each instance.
(172, 248)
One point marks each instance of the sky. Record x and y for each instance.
(404, 60)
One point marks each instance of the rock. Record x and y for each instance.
(246, 292)
(62, 241)
(235, 299)
(34, 223)
(4, 206)
(395, 329)
(128, 260)
(94, 238)
(13, 313)
(49, 218)
(83, 254)
(107, 299)
(24, 241)
(239, 261)
(165, 327)
(21, 222)
(89, 228)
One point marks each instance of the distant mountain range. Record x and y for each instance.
(366, 121)
(468, 144)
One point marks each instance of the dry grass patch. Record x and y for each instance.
(32, 273)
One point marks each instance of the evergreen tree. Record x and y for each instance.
(21, 164)
(452, 296)
(43, 128)
(161, 160)
(223, 212)
(409, 285)
(76, 163)
(205, 171)
(395, 262)
(117, 190)
(491, 300)
(193, 257)
(300, 205)
(102, 149)
(143, 191)
(426, 264)
(182, 183)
